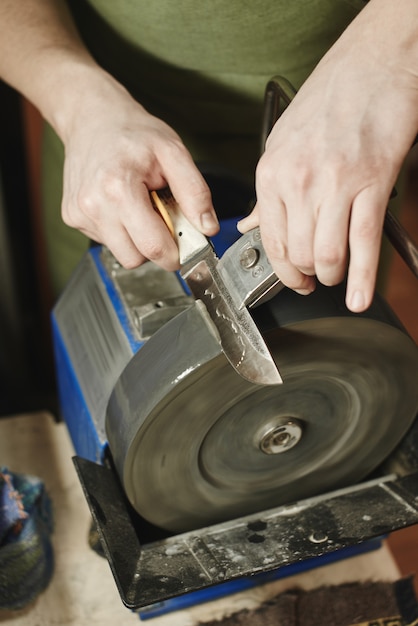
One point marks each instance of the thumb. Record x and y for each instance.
(249, 222)
(194, 197)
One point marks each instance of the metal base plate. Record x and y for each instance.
(229, 557)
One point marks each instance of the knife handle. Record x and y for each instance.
(190, 241)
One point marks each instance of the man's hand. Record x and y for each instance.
(332, 159)
(116, 153)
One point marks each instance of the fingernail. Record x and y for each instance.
(208, 221)
(356, 302)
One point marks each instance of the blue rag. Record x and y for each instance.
(26, 553)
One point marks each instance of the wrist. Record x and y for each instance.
(388, 33)
(73, 90)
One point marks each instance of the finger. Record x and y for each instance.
(274, 228)
(300, 236)
(191, 191)
(148, 231)
(331, 240)
(365, 236)
(251, 221)
(274, 232)
(128, 226)
(117, 239)
(126, 253)
(123, 248)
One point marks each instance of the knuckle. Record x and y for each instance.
(123, 248)
(71, 215)
(301, 178)
(153, 250)
(280, 252)
(88, 204)
(126, 253)
(329, 255)
(330, 279)
(131, 260)
(295, 177)
(297, 282)
(199, 191)
(301, 258)
(174, 149)
(112, 185)
(265, 174)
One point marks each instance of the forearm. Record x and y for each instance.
(391, 29)
(384, 35)
(43, 57)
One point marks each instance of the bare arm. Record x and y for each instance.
(115, 150)
(332, 159)
(40, 53)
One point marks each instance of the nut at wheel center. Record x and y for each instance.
(281, 437)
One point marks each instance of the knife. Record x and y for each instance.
(224, 295)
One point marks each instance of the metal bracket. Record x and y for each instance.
(247, 273)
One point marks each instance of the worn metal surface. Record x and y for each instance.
(150, 295)
(247, 272)
(158, 570)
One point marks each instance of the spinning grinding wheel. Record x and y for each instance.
(151, 377)
(194, 443)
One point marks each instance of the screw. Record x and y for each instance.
(249, 258)
(257, 271)
(318, 537)
(282, 437)
(257, 234)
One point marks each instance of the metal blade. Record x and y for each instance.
(241, 341)
(238, 334)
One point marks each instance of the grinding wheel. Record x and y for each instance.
(195, 444)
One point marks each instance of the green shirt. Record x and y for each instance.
(201, 66)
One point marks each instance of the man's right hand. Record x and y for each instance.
(116, 153)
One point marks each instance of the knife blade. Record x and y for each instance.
(238, 334)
